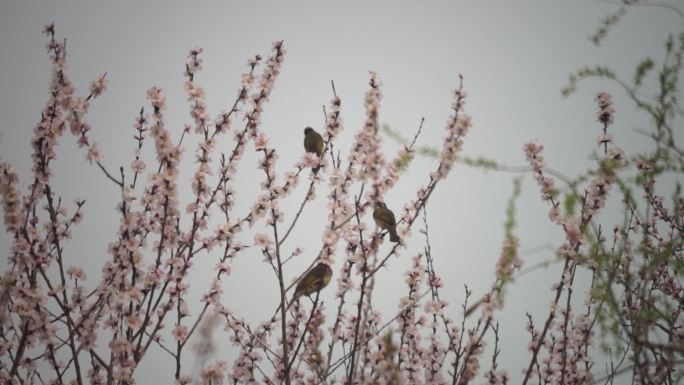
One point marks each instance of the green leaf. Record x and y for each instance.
(642, 70)
(607, 24)
(569, 202)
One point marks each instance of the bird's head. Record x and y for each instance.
(323, 266)
(380, 205)
(307, 130)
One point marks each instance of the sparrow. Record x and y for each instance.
(313, 143)
(312, 282)
(384, 218)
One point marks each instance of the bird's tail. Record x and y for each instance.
(393, 235)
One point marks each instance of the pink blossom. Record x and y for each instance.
(180, 333)
(572, 232)
(49, 29)
(138, 166)
(616, 153)
(10, 198)
(644, 164)
(435, 307)
(533, 152)
(214, 374)
(310, 160)
(604, 138)
(94, 154)
(156, 97)
(261, 141)
(76, 273)
(98, 85)
(262, 241)
(457, 127)
(605, 108)
(555, 214)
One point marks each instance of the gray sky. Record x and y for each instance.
(514, 56)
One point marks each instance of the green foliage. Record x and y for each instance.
(606, 24)
(387, 130)
(642, 69)
(569, 202)
(510, 223)
(403, 162)
(480, 162)
(583, 73)
(510, 244)
(427, 151)
(432, 152)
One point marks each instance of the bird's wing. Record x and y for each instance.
(320, 144)
(390, 216)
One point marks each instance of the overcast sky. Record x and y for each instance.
(514, 56)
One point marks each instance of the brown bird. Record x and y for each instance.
(313, 281)
(384, 218)
(313, 143)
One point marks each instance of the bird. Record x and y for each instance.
(313, 281)
(384, 218)
(313, 143)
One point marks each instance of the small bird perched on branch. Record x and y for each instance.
(313, 281)
(384, 218)
(313, 143)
